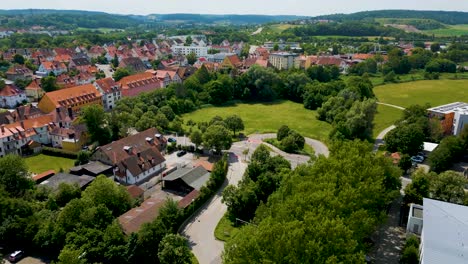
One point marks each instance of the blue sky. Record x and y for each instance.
(270, 7)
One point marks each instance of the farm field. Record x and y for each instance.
(450, 31)
(40, 163)
(268, 117)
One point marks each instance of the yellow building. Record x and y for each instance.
(75, 98)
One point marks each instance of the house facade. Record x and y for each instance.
(282, 60)
(135, 158)
(453, 117)
(136, 84)
(55, 67)
(110, 90)
(11, 96)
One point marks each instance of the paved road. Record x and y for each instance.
(379, 140)
(258, 31)
(200, 229)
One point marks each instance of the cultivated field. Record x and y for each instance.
(450, 31)
(268, 117)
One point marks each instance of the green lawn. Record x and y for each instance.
(225, 230)
(268, 117)
(41, 163)
(385, 117)
(434, 92)
(278, 28)
(450, 31)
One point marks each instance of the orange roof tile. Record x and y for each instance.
(74, 94)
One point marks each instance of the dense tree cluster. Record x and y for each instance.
(289, 140)
(447, 186)
(263, 176)
(321, 213)
(450, 150)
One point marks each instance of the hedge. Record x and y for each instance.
(59, 153)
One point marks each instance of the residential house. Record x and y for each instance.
(19, 114)
(80, 63)
(19, 72)
(55, 67)
(199, 51)
(71, 139)
(65, 81)
(11, 96)
(282, 60)
(96, 51)
(453, 117)
(84, 78)
(327, 61)
(168, 76)
(134, 158)
(231, 62)
(253, 60)
(15, 137)
(110, 90)
(136, 84)
(132, 63)
(75, 98)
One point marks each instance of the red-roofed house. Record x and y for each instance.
(136, 84)
(110, 90)
(16, 72)
(47, 67)
(11, 96)
(34, 91)
(134, 158)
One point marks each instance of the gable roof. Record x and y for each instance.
(11, 90)
(194, 177)
(73, 95)
(234, 60)
(133, 219)
(107, 85)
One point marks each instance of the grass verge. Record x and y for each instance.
(225, 230)
(385, 117)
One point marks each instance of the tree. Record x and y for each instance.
(14, 175)
(188, 41)
(83, 157)
(115, 61)
(71, 256)
(449, 187)
(435, 47)
(196, 138)
(405, 163)
(218, 92)
(167, 111)
(120, 73)
(66, 192)
(217, 137)
(283, 132)
(173, 249)
(49, 84)
(407, 139)
(276, 47)
(106, 192)
(18, 58)
(234, 123)
(449, 150)
(418, 188)
(95, 119)
(191, 58)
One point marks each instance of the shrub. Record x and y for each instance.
(59, 153)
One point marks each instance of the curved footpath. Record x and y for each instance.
(200, 229)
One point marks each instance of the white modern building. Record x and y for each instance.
(453, 116)
(282, 60)
(200, 51)
(415, 219)
(444, 237)
(110, 90)
(11, 96)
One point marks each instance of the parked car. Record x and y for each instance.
(417, 159)
(170, 140)
(181, 153)
(16, 256)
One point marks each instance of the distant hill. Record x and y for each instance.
(215, 19)
(446, 17)
(71, 19)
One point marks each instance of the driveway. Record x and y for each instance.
(379, 140)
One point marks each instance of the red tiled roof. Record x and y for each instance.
(107, 84)
(10, 90)
(135, 191)
(65, 97)
(132, 220)
(43, 176)
(187, 200)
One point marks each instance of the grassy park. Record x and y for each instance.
(268, 117)
(434, 92)
(40, 163)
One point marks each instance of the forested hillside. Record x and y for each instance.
(446, 17)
